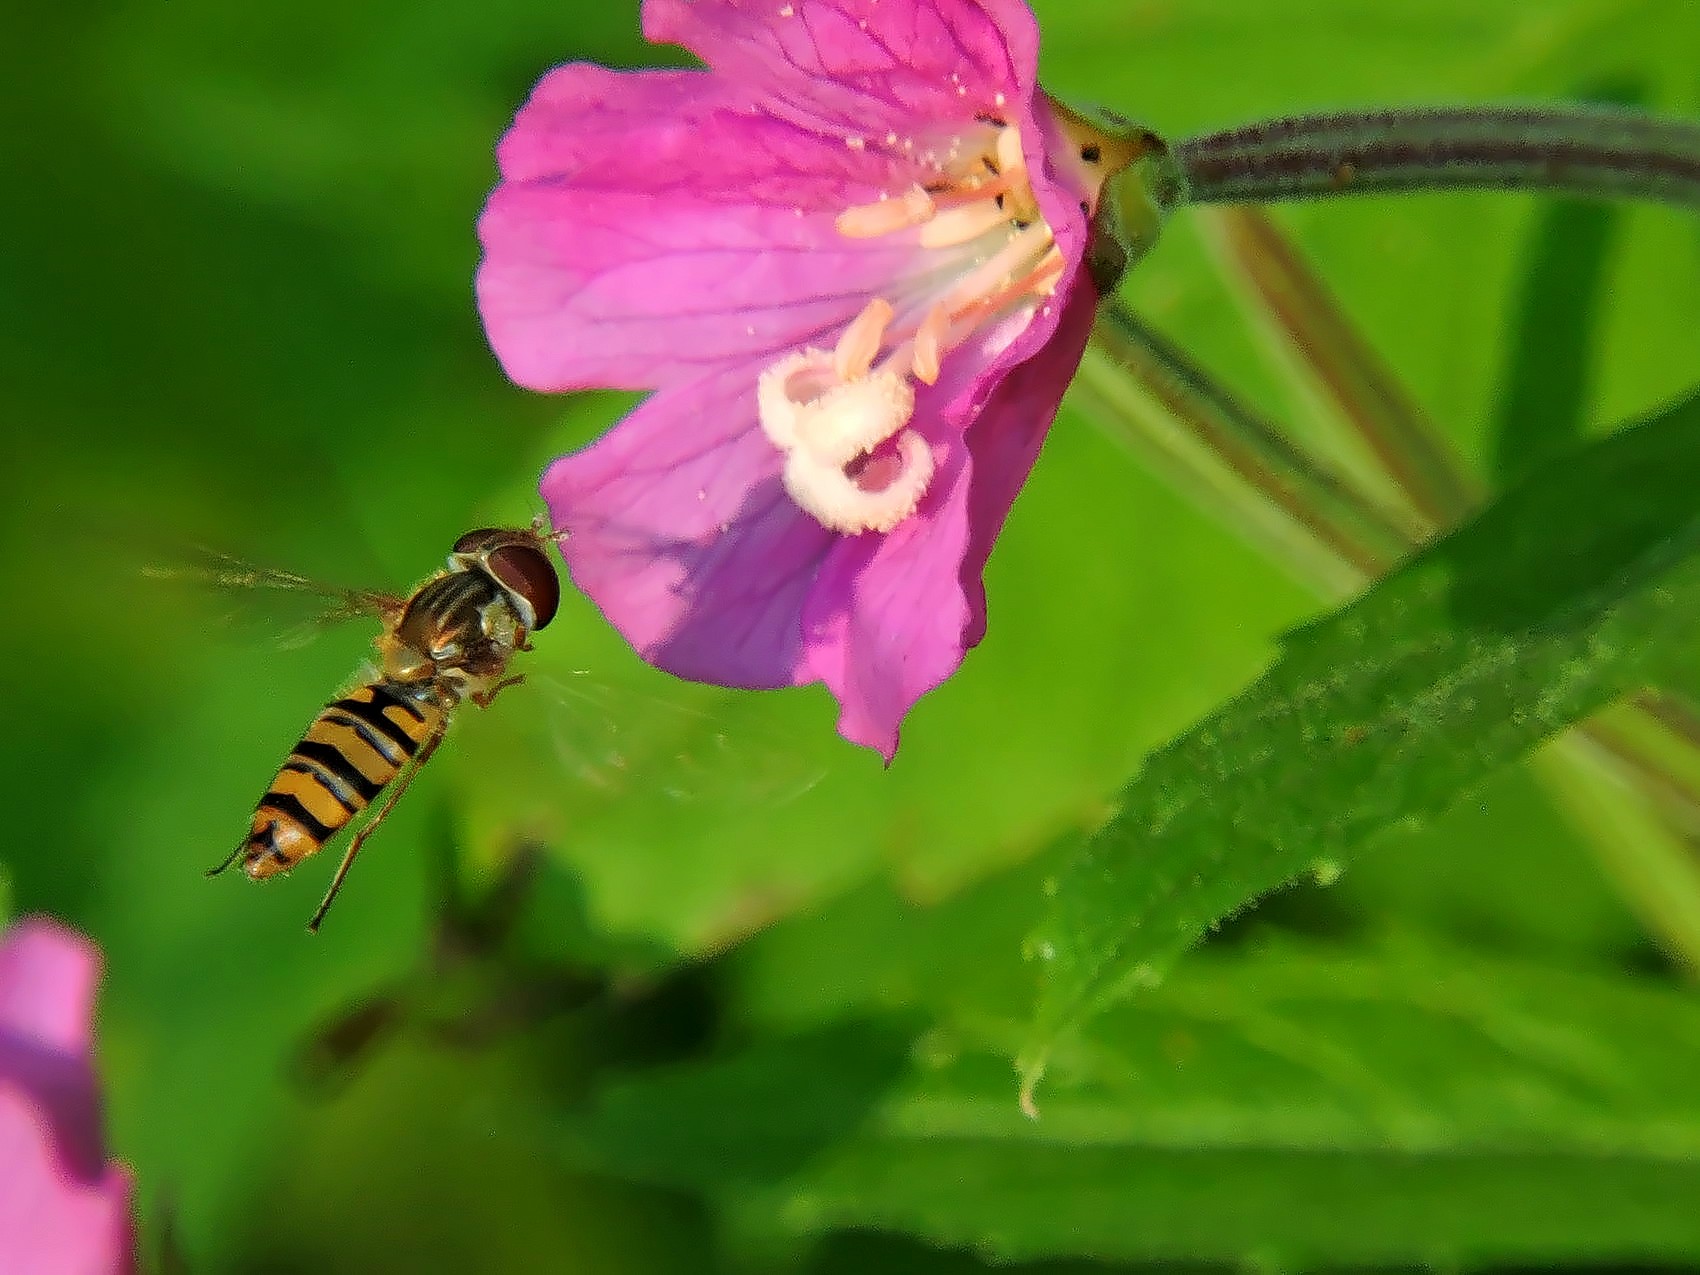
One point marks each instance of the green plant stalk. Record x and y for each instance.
(1676, 715)
(1400, 436)
(1417, 458)
(1636, 756)
(1310, 494)
(1386, 710)
(1644, 850)
(1140, 412)
(1597, 152)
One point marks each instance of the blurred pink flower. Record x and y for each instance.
(847, 257)
(64, 1209)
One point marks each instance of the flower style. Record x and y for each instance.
(850, 258)
(64, 1208)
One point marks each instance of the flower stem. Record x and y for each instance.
(1312, 496)
(1640, 842)
(1678, 717)
(1596, 152)
(1408, 446)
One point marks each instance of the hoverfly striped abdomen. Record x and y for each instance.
(354, 747)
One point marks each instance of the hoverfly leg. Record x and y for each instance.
(398, 786)
(483, 698)
(226, 862)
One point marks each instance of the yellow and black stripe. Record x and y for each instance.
(354, 747)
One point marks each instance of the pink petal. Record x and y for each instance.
(862, 66)
(688, 133)
(885, 621)
(677, 230)
(52, 1221)
(48, 976)
(652, 224)
(681, 532)
(594, 288)
(683, 535)
(892, 616)
(1011, 427)
(62, 1208)
(650, 227)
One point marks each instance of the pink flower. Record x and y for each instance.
(64, 1209)
(848, 259)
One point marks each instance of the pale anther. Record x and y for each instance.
(1011, 163)
(855, 352)
(883, 216)
(959, 225)
(929, 344)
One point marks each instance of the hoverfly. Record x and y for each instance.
(450, 641)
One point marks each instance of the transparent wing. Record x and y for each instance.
(294, 607)
(620, 741)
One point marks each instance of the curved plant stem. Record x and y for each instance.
(1588, 151)
(1348, 523)
(1304, 316)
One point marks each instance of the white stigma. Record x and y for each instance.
(876, 496)
(831, 413)
(804, 406)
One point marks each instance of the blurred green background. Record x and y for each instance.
(238, 246)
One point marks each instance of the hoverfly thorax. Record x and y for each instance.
(465, 623)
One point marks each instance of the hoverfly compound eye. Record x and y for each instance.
(482, 539)
(525, 570)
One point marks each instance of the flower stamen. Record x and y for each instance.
(959, 225)
(1041, 280)
(1008, 262)
(854, 353)
(841, 418)
(884, 216)
(1012, 164)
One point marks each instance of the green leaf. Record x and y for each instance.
(1577, 587)
(1464, 879)
(1291, 1106)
